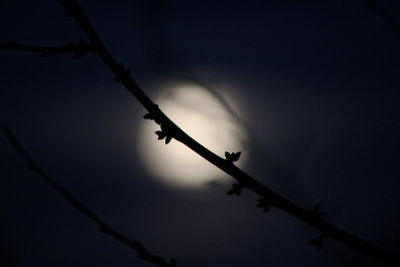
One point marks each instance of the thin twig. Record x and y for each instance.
(141, 251)
(78, 49)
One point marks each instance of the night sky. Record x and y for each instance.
(315, 83)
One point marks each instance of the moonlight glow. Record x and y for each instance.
(203, 117)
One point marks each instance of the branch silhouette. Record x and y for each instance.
(169, 130)
(141, 251)
(78, 49)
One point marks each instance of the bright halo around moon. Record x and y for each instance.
(201, 115)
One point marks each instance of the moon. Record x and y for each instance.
(201, 115)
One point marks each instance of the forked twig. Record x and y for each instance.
(141, 251)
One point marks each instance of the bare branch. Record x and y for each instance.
(170, 130)
(78, 49)
(141, 251)
(327, 230)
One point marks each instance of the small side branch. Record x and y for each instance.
(77, 49)
(141, 251)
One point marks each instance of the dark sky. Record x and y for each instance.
(317, 85)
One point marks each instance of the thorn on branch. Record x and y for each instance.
(232, 157)
(122, 73)
(150, 116)
(317, 242)
(264, 204)
(316, 211)
(236, 189)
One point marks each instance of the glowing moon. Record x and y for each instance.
(201, 115)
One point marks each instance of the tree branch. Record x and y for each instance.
(78, 49)
(170, 130)
(141, 251)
